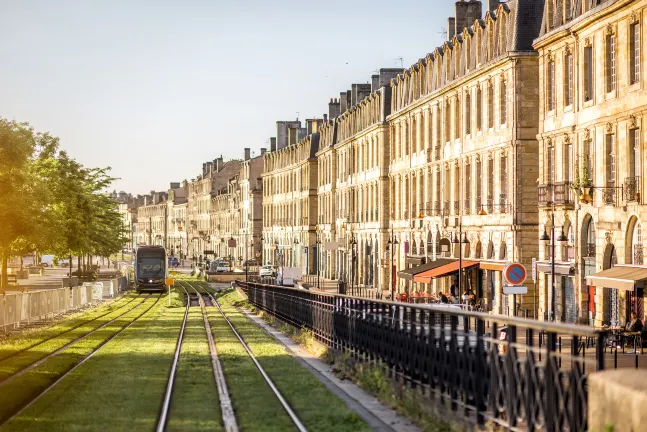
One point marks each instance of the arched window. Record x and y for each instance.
(430, 244)
(637, 245)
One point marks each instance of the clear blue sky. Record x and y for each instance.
(153, 88)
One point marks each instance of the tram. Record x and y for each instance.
(150, 268)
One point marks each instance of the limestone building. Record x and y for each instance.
(464, 153)
(591, 133)
(352, 186)
(290, 200)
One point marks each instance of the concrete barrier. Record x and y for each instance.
(617, 400)
(225, 277)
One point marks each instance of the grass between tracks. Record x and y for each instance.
(314, 404)
(27, 338)
(195, 405)
(18, 392)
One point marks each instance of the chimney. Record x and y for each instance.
(451, 28)
(325, 116)
(333, 108)
(247, 150)
(273, 144)
(343, 103)
(204, 168)
(375, 82)
(359, 92)
(466, 13)
(263, 151)
(492, 5)
(218, 164)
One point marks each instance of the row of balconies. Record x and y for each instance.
(611, 195)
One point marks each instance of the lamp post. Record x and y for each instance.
(391, 245)
(562, 238)
(353, 257)
(460, 241)
(318, 243)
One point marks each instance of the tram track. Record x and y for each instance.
(58, 335)
(58, 351)
(82, 361)
(270, 383)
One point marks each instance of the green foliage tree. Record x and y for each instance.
(50, 202)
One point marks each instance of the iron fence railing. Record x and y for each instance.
(501, 369)
(545, 194)
(632, 188)
(563, 193)
(609, 195)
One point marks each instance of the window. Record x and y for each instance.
(550, 165)
(550, 86)
(468, 114)
(588, 73)
(479, 109)
(448, 120)
(568, 15)
(490, 106)
(468, 188)
(503, 106)
(437, 186)
(634, 153)
(610, 159)
(589, 157)
(490, 184)
(611, 62)
(479, 183)
(568, 80)
(457, 118)
(568, 162)
(438, 130)
(634, 53)
(503, 172)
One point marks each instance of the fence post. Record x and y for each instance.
(551, 373)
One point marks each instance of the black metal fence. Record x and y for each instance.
(506, 370)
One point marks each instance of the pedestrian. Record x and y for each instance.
(443, 298)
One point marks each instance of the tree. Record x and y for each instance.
(24, 198)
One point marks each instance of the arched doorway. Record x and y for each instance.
(588, 253)
(611, 297)
(634, 255)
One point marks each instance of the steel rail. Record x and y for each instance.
(86, 358)
(166, 404)
(67, 331)
(66, 346)
(226, 407)
(299, 425)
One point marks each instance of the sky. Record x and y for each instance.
(154, 88)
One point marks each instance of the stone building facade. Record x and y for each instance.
(464, 155)
(290, 202)
(592, 170)
(352, 185)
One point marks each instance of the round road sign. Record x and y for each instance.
(515, 273)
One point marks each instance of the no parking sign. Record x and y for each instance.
(515, 273)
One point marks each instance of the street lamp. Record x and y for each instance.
(561, 239)
(353, 244)
(318, 243)
(391, 244)
(460, 241)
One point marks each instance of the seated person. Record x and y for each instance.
(443, 298)
(635, 325)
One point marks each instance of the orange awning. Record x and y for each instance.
(426, 277)
(488, 265)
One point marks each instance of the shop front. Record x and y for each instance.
(625, 285)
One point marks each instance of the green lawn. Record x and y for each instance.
(195, 405)
(20, 341)
(317, 408)
(18, 392)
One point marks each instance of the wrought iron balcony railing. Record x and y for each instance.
(457, 207)
(632, 188)
(467, 207)
(609, 195)
(489, 205)
(563, 193)
(545, 194)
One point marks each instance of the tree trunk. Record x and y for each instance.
(78, 263)
(70, 271)
(3, 280)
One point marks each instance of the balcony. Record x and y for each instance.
(457, 208)
(632, 188)
(502, 207)
(609, 195)
(434, 209)
(489, 205)
(446, 207)
(563, 193)
(467, 207)
(545, 194)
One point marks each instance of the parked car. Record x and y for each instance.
(64, 262)
(219, 266)
(267, 270)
